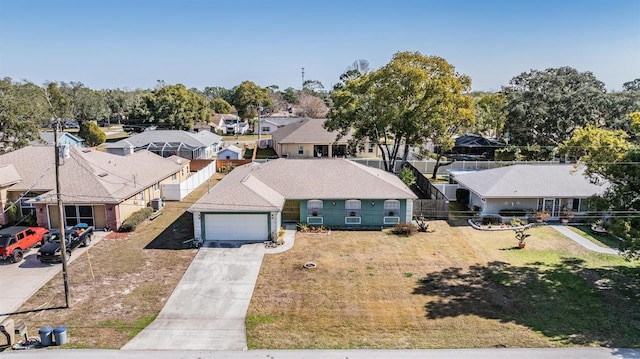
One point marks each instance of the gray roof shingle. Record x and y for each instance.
(9, 175)
(265, 186)
(307, 131)
(530, 181)
(88, 176)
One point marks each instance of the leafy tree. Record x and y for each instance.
(219, 105)
(619, 104)
(122, 103)
(408, 101)
(22, 112)
(215, 92)
(92, 134)
(491, 115)
(609, 155)
(248, 97)
(632, 85)
(290, 95)
(175, 107)
(90, 105)
(546, 107)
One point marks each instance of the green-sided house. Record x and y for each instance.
(254, 200)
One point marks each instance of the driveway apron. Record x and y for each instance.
(207, 309)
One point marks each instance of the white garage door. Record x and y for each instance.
(236, 227)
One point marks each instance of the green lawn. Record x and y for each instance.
(603, 240)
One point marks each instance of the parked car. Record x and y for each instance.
(71, 125)
(76, 236)
(15, 241)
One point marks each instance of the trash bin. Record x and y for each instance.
(45, 336)
(60, 334)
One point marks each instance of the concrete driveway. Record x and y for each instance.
(19, 281)
(208, 307)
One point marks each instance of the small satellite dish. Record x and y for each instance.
(179, 161)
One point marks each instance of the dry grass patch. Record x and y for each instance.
(132, 282)
(455, 288)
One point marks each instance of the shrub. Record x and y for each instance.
(130, 224)
(488, 220)
(507, 154)
(92, 134)
(513, 213)
(404, 228)
(462, 196)
(407, 176)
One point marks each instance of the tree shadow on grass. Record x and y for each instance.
(568, 302)
(176, 233)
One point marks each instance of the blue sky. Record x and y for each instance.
(132, 44)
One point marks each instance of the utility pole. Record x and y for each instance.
(304, 105)
(63, 239)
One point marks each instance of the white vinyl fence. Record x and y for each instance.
(176, 192)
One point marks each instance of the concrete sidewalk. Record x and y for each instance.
(583, 241)
(208, 306)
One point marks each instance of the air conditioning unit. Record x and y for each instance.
(156, 204)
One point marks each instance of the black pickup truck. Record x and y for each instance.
(76, 236)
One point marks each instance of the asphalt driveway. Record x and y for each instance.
(208, 307)
(19, 281)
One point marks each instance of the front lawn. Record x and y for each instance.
(454, 288)
(603, 240)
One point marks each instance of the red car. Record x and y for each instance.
(14, 241)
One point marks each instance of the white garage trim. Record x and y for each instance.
(235, 226)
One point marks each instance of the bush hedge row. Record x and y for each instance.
(130, 224)
(513, 213)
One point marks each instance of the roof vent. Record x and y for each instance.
(86, 150)
(103, 174)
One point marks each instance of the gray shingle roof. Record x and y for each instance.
(265, 186)
(196, 140)
(231, 148)
(281, 121)
(306, 131)
(9, 175)
(530, 181)
(88, 176)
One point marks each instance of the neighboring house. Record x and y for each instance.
(474, 147)
(166, 143)
(529, 187)
(236, 127)
(97, 188)
(221, 121)
(64, 138)
(230, 153)
(254, 200)
(306, 138)
(271, 124)
(204, 126)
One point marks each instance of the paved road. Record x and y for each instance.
(561, 353)
(19, 281)
(583, 241)
(208, 307)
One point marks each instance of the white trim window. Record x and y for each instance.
(352, 208)
(370, 148)
(392, 208)
(314, 208)
(301, 149)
